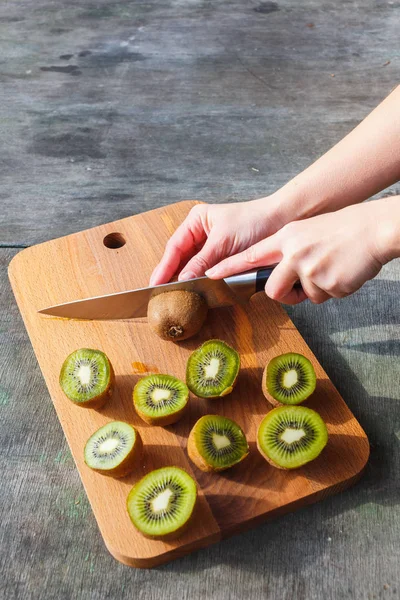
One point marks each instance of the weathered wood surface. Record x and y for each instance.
(224, 88)
(79, 266)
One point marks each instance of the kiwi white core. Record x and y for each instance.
(290, 378)
(161, 502)
(109, 445)
(211, 370)
(220, 441)
(291, 435)
(84, 374)
(160, 394)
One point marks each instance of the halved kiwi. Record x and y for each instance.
(216, 443)
(161, 504)
(87, 377)
(176, 315)
(288, 379)
(114, 449)
(212, 369)
(291, 436)
(160, 399)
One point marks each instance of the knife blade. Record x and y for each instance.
(131, 304)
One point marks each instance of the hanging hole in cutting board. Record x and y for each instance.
(114, 240)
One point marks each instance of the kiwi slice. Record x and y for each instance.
(288, 379)
(176, 315)
(87, 377)
(161, 503)
(216, 443)
(160, 399)
(114, 449)
(212, 369)
(291, 436)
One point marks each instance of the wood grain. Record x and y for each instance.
(80, 265)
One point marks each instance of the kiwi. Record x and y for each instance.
(161, 504)
(87, 377)
(212, 369)
(291, 436)
(160, 399)
(177, 315)
(114, 449)
(288, 379)
(216, 443)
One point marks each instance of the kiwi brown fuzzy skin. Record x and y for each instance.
(100, 400)
(130, 463)
(168, 537)
(269, 460)
(177, 315)
(265, 391)
(195, 456)
(199, 461)
(161, 421)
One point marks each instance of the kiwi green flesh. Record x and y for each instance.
(212, 369)
(109, 446)
(291, 436)
(85, 375)
(160, 395)
(290, 378)
(162, 502)
(220, 441)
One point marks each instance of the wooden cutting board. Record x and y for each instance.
(82, 265)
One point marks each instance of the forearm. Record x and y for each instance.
(363, 163)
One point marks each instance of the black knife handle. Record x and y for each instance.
(263, 276)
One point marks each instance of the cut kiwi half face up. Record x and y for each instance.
(212, 369)
(87, 377)
(291, 436)
(288, 379)
(216, 443)
(114, 449)
(160, 399)
(161, 503)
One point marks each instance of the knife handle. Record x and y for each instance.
(262, 277)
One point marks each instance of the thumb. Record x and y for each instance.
(203, 260)
(262, 254)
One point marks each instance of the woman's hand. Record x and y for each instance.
(212, 232)
(332, 255)
(363, 163)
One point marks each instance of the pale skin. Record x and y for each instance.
(316, 227)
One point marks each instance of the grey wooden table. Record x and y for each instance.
(109, 108)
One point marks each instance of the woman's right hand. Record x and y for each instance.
(212, 232)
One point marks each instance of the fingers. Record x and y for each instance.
(280, 284)
(261, 254)
(295, 296)
(203, 260)
(182, 244)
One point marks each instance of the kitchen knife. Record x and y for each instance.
(131, 304)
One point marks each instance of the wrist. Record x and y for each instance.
(290, 203)
(270, 208)
(386, 226)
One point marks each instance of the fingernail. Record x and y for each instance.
(186, 276)
(210, 272)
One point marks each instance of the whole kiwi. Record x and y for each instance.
(177, 315)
